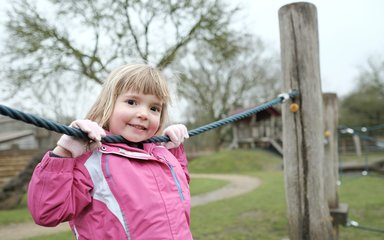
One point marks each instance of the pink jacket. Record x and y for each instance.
(116, 192)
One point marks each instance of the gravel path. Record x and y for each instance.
(237, 185)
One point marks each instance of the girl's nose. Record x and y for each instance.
(142, 112)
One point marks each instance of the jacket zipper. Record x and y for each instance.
(175, 178)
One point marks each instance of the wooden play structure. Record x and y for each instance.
(21, 148)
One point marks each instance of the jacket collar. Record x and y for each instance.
(124, 149)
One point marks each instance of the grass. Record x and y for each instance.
(60, 236)
(257, 215)
(236, 162)
(14, 216)
(17, 215)
(201, 185)
(261, 214)
(365, 197)
(365, 157)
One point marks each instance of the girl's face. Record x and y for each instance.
(136, 116)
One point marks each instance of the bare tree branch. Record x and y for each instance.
(84, 39)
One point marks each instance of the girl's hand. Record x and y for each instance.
(76, 146)
(177, 133)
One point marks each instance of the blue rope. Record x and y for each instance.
(355, 224)
(61, 128)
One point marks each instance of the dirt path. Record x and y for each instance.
(237, 185)
(22, 231)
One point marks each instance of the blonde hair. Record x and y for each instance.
(140, 78)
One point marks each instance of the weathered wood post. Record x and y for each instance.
(331, 154)
(331, 161)
(308, 212)
(357, 142)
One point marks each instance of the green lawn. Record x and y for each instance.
(365, 158)
(20, 214)
(201, 185)
(261, 214)
(365, 197)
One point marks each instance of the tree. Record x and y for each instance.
(75, 44)
(216, 81)
(364, 107)
(55, 50)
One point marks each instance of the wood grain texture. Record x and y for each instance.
(308, 212)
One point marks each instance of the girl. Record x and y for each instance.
(118, 191)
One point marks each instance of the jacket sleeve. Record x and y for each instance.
(59, 189)
(180, 155)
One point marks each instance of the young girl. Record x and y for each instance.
(116, 190)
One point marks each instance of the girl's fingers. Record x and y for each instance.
(95, 132)
(176, 133)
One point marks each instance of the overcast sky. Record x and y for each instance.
(350, 31)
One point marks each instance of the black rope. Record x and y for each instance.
(61, 128)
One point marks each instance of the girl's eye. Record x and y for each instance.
(131, 102)
(156, 109)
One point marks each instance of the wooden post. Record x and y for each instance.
(331, 159)
(331, 155)
(356, 141)
(308, 212)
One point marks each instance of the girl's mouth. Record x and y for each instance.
(140, 127)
